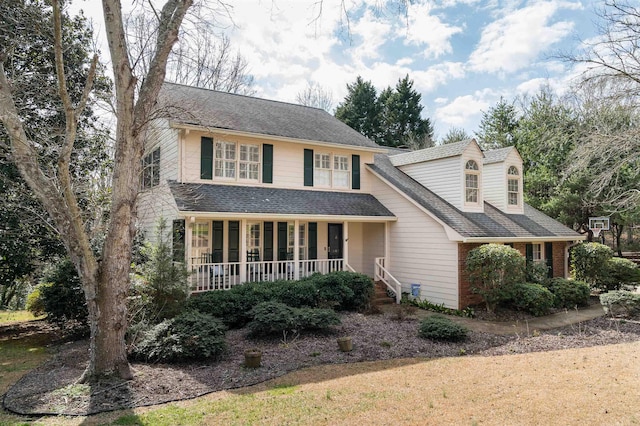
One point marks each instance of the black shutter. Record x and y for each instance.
(548, 255)
(218, 241)
(282, 240)
(234, 241)
(313, 240)
(529, 254)
(206, 158)
(308, 167)
(355, 172)
(268, 241)
(267, 163)
(178, 232)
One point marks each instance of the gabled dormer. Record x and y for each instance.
(453, 171)
(503, 180)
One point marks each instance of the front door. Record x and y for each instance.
(335, 241)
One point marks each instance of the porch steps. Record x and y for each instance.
(380, 296)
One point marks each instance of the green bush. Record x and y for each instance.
(619, 272)
(568, 293)
(35, 304)
(440, 328)
(275, 318)
(493, 269)
(536, 272)
(342, 290)
(162, 283)
(189, 336)
(293, 293)
(589, 262)
(621, 303)
(231, 306)
(61, 297)
(532, 298)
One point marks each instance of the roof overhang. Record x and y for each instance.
(485, 240)
(452, 235)
(288, 217)
(229, 132)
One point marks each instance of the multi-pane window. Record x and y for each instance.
(331, 170)
(253, 240)
(236, 161)
(150, 176)
(249, 161)
(225, 159)
(302, 240)
(513, 186)
(340, 171)
(471, 181)
(322, 170)
(199, 239)
(537, 252)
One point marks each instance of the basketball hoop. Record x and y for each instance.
(598, 224)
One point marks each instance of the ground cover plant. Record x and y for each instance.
(437, 327)
(277, 318)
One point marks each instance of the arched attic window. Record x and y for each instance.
(513, 186)
(471, 182)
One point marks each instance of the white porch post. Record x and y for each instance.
(296, 249)
(345, 244)
(243, 250)
(387, 246)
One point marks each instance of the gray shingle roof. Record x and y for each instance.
(428, 154)
(497, 155)
(221, 110)
(192, 197)
(493, 223)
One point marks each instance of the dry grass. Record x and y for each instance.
(591, 386)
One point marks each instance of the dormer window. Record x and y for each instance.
(471, 182)
(513, 186)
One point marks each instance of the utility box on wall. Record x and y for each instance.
(415, 290)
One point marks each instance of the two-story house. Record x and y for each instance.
(263, 190)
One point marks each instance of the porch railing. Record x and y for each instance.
(223, 276)
(381, 274)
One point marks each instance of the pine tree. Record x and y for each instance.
(361, 109)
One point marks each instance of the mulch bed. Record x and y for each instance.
(50, 388)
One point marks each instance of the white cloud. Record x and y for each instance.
(516, 40)
(374, 34)
(463, 110)
(427, 31)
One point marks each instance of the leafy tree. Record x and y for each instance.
(105, 278)
(498, 126)
(455, 134)
(401, 116)
(26, 237)
(361, 110)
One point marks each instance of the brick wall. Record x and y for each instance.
(558, 259)
(465, 297)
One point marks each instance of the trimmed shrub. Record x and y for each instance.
(189, 336)
(293, 293)
(231, 306)
(531, 297)
(493, 269)
(276, 318)
(536, 272)
(342, 290)
(621, 303)
(619, 272)
(589, 262)
(568, 293)
(440, 328)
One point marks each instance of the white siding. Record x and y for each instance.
(421, 253)
(495, 183)
(355, 245)
(288, 162)
(152, 204)
(372, 246)
(160, 135)
(443, 177)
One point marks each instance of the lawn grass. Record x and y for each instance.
(18, 357)
(7, 317)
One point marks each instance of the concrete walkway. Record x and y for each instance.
(521, 327)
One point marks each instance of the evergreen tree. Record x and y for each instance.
(360, 109)
(455, 134)
(402, 121)
(498, 126)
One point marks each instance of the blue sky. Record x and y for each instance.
(463, 55)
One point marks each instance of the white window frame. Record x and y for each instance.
(254, 241)
(471, 170)
(200, 239)
(322, 169)
(329, 169)
(341, 171)
(150, 175)
(513, 178)
(236, 161)
(536, 252)
(302, 239)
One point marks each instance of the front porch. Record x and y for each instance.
(223, 276)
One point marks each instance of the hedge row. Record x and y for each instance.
(337, 290)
